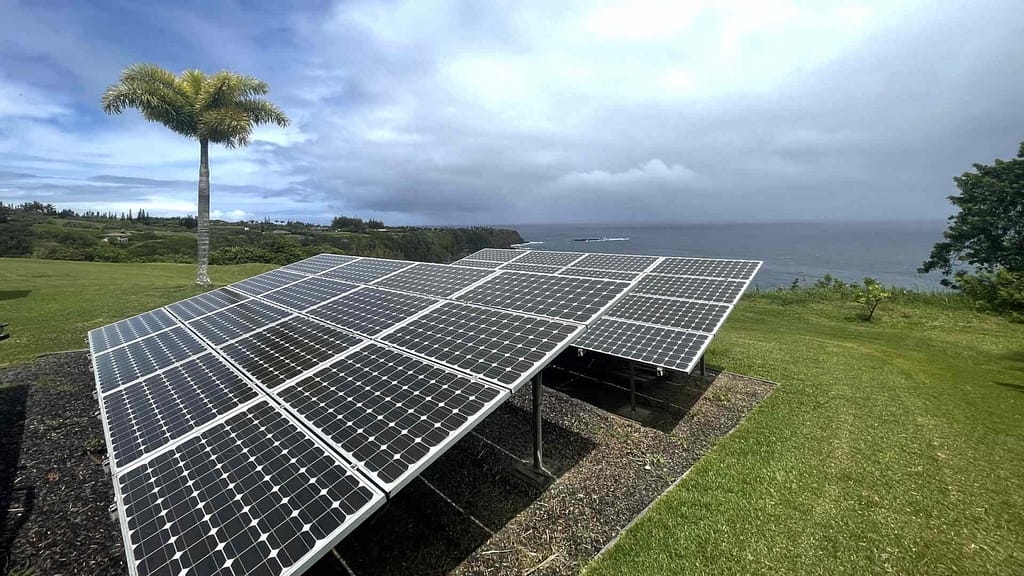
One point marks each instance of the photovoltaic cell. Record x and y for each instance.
(538, 268)
(550, 258)
(501, 346)
(607, 274)
(237, 320)
(564, 297)
(439, 280)
(308, 293)
(656, 345)
(496, 254)
(254, 495)
(129, 329)
(318, 263)
(730, 269)
(144, 416)
(706, 289)
(369, 310)
(697, 316)
(266, 282)
(120, 366)
(389, 412)
(287, 349)
(205, 303)
(366, 270)
(476, 263)
(619, 262)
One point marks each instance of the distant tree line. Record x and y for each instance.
(42, 230)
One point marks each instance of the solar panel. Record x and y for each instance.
(476, 263)
(504, 347)
(125, 364)
(706, 289)
(366, 270)
(129, 329)
(286, 349)
(318, 263)
(656, 345)
(433, 279)
(144, 416)
(730, 269)
(266, 282)
(370, 310)
(308, 293)
(253, 495)
(607, 274)
(697, 316)
(496, 254)
(538, 268)
(564, 297)
(237, 320)
(205, 303)
(619, 262)
(550, 258)
(389, 412)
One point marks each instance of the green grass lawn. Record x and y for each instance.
(895, 447)
(890, 447)
(50, 305)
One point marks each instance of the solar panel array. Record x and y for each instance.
(251, 427)
(672, 305)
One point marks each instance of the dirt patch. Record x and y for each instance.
(467, 514)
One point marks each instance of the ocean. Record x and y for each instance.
(888, 251)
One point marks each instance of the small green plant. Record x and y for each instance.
(795, 284)
(830, 283)
(95, 445)
(870, 295)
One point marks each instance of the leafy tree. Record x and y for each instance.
(222, 108)
(871, 294)
(988, 231)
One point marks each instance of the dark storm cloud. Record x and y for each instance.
(458, 112)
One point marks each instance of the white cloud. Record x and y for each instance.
(232, 216)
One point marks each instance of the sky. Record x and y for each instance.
(466, 112)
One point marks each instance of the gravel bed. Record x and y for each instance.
(468, 513)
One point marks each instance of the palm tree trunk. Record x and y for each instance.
(203, 222)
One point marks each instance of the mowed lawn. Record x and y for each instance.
(51, 305)
(895, 447)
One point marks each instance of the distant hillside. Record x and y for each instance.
(35, 230)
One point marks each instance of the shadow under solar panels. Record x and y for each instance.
(389, 412)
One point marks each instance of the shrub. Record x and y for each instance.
(870, 295)
(1001, 291)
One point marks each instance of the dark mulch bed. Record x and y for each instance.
(467, 514)
(53, 491)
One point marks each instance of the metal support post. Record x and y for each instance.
(632, 387)
(703, 372)
(538, 432)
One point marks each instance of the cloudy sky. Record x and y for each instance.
(512, 112)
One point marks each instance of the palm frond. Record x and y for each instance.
(156, 93)
(261, 111)
(228, 126)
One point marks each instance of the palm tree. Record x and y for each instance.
(221, 108)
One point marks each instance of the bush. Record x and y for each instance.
(1001, 291)
(870, 295)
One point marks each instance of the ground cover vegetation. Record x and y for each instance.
(890, 446)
